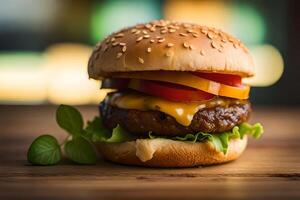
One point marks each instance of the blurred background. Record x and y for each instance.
(45, 44)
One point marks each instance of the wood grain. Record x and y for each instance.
(269, 169)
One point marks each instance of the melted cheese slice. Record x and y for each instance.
(182, 112)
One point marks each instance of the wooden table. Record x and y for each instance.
(269, 169)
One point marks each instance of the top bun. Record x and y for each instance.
(171, 46)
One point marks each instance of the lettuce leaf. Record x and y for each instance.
(221, 140)
(95, 131)
(119, 135)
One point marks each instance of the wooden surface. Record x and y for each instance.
(269, 169)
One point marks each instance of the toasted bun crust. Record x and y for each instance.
(164, 45)
(169, 153)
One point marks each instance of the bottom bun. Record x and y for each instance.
(169, 153)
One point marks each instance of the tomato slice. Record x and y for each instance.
(169, 91)
(190, 80)
(227, 79)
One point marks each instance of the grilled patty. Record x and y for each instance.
(214, 119)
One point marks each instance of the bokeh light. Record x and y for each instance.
(117, 14)
(67, 78)
(268, 66)
(22, 80)
(247, 24)
(210, 13)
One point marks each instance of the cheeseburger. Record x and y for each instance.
(178, 99)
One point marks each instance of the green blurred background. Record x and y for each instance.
(45, 44)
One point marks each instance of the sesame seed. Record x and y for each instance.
(170, 44)
(124, 49)
(112, 39)
(115, 44)
(141, 60)
(191, 47)
(119, 35)
(220, 50)
(183, 34)
(152, 29)
(172, 30)
(158, 37)
(190, 31)
(137, 32)
(186, 25)
(213, 44)
(195, 35)
(148, 25)
(221, 34)
(224, 40)
(149, 49)
(235, 45)
(161, 40)
(163, 31)
(119, 55)
(145, 32)
(173, 27)
(133, 30)
(185, 45)
(210, 35)
(152, 41)
(202, 52)
(146, 36)
(139, 39)
(122, 44)
(204, 31)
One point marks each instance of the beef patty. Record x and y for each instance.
(214, 119)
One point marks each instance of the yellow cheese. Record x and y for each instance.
(182, 112)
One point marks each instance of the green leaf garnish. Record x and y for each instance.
(70, 119)
(119, 135)
(220, 140)
(44, 150)
(255, 130)
(96, 131)
(81, 151)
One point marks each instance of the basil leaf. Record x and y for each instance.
(80, 151)
(44, 150)
(70, 119)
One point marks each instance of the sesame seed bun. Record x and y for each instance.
(169, 153)
(171, 46)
